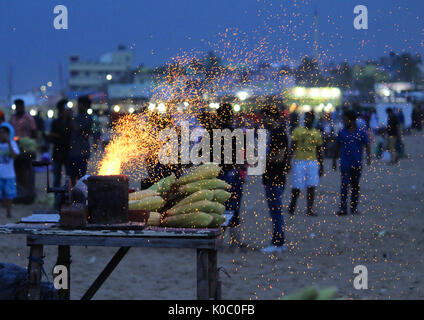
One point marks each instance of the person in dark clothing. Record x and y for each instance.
(350, 143)
(393, 135)
(232, 173)
(60, 135)
(79, 146)
(274, 176)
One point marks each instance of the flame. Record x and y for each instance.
(134, 142)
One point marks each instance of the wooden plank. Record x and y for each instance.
(34, 271)
(202, 274)
(213, 274)
(113, 263)
(207, 275)
(147, 233)
(122, 241)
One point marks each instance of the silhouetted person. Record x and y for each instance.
(350, 144)
(393, 134)
(59, 135)
(233, 173)
(274, 176)
(79, 146)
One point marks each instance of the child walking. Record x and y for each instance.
(8, 151)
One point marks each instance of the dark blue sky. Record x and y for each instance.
(161, 29)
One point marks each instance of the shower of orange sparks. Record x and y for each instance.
(135, 137)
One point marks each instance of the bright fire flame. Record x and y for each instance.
(134, 139)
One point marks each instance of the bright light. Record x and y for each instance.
(335, 92)
(131, 110)
(90, 111)
(50, 113)
(299, 92)
(161, 107)
(328, 108)
(314, 92)
(325, 93)
(13, 106)
(306, 108)
(152, 106)
(116, 108)
(49, 84)
(70, 104)
(108, 77)
(242, 95)
(237, 108)
(386, 92)
(214, 105)
(186, 104)
(32, 112)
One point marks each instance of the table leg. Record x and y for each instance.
(207, 274)
(34, 271)
(64, 259)
(105, 273)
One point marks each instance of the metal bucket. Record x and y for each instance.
(107, 199)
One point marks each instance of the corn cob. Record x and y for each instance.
(327, 293)
(205, 171)
(164, 185)
(203, 206)
(220, 195)
(197, 196)
(154, 219)
(217, 221)
(150, 203)
(138, 195)
(208, 184)
(310, 293)
(189, 220)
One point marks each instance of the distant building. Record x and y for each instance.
(88, 76)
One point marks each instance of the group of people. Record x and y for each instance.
(302, 153)
(69, 135)
(290, 147)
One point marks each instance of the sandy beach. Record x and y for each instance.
(387, 238)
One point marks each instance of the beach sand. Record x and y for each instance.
(322, 250)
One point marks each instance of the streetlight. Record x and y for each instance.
(108, 77)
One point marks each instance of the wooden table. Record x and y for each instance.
(205, 241)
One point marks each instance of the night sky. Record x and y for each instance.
(275, 31)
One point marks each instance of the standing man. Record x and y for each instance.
(25, 127)
(60, 135)
(308, 163)
(393, 135)
(232, 173)
(274, 177)
(350, 142)
(79, 146)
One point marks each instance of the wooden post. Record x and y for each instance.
(34, 271)
(105, 273)
(207, 274)
(64, 259)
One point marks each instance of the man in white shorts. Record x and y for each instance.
(308, 162)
